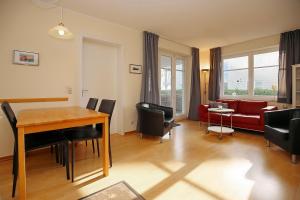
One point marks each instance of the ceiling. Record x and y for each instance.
(201, 23)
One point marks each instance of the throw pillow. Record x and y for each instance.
(217, 104)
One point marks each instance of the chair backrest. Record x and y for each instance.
(107, 106)
(11, 117)
(92, 104)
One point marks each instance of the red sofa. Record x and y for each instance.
(247, 114)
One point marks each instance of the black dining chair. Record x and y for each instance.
(92, 104)
(90, 132)
(34, 141)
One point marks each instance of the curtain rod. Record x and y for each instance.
(175, 41)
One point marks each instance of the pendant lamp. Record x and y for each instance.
(61, 31)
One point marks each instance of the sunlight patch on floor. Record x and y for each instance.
(183, 190)
(172, 165)
(223, 177)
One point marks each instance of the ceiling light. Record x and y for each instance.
(60, 31)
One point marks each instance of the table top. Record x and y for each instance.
(221, 110)
(52, 115)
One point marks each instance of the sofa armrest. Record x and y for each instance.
(276, 117)
(294, 137)
(203, 108)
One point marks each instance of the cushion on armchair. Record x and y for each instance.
(280, 132)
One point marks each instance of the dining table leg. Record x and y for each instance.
(22, 166)
(105, 157)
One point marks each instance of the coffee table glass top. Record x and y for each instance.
(221, 110)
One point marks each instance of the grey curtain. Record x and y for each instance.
(150, 89)
(214, 74)
(195, 86)
(289, 54)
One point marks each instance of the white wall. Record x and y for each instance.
(256, 44)
(24, 27)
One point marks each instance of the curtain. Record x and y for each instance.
(214, 74)
(150, 89)
(195, 86)
(289, 54)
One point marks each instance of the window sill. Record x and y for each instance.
(253, 98)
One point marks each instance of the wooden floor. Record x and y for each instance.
(190, 165)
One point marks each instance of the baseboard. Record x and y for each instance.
(130, 132)
(10, 157)
(5, 158)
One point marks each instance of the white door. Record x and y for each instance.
(99, 74)
(172, 83)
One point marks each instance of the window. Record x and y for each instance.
(253, 75)
(266, 73)
(165, 81)
(236, 76)
(172, 82)
(179, 86)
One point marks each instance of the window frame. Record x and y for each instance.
(250, 54)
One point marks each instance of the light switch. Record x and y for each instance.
(69, 90)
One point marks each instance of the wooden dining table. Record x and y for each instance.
(46, 119)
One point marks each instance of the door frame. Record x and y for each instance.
(119, 77)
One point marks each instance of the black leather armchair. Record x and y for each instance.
(154, 119)
(282, 128)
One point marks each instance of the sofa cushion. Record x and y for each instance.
(251, 107)
(232, 104)
(246, 119)
(280, 132)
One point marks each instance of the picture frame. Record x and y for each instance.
(135, 69)
(25, 58)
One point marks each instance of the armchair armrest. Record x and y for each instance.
(294, 137)
(263, 110)
(276, 117)
(168, 111)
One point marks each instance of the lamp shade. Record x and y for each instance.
(60, 32)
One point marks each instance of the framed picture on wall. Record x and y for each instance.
(135, 69)
(25, 58)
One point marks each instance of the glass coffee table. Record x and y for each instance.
(220, 129)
